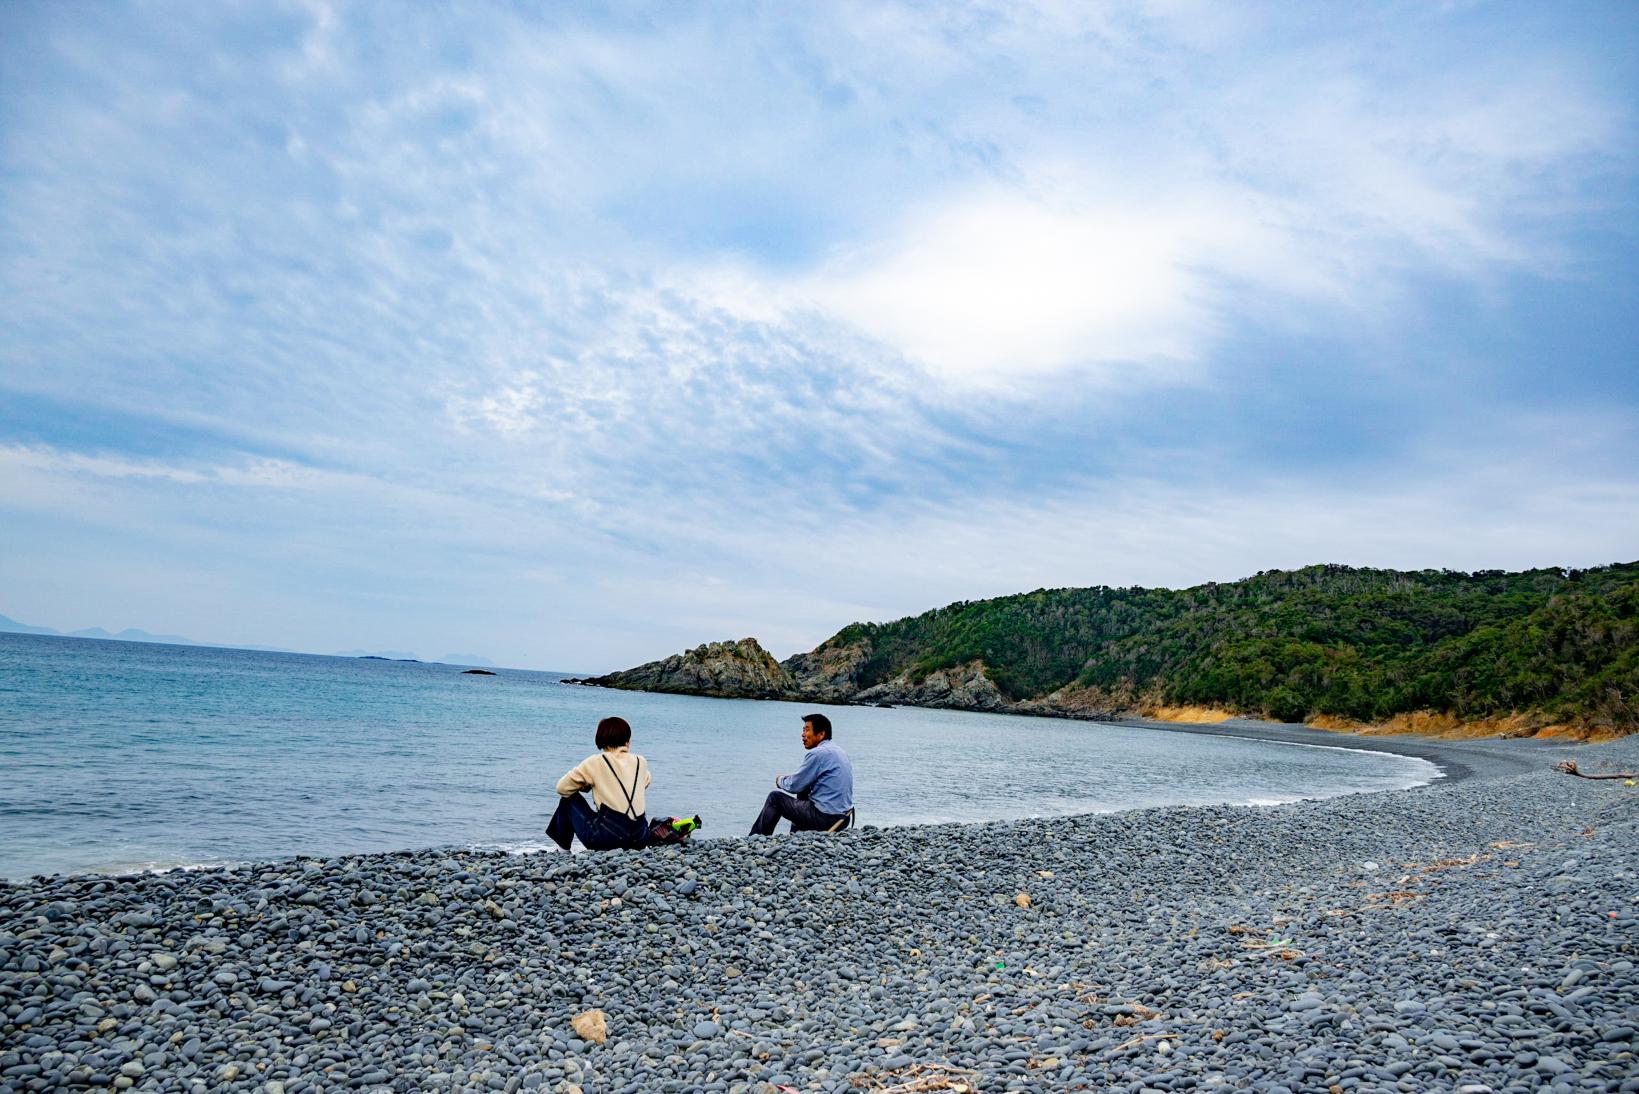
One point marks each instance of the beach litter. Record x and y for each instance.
(1140, 1039)
(590, 1026)
(1273, 946)
(916, 1078)
(1133, 1014)
(1569, 768)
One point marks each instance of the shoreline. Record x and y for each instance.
(1501, 727)
(1459, 759)
(1461, 933)
(1432, 750)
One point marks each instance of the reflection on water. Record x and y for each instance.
(124, 754)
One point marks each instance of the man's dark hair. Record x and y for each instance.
(819, 722)
(613, 732)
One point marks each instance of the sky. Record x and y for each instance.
(572, 335)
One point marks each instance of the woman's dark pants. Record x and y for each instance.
(600, 829)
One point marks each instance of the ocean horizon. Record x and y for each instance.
(128, 756)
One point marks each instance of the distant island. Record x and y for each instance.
(129, 634)
(401, 655)
(1547, 651)
(467, 659)
(132, 634)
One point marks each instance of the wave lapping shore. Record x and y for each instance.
(1477, 934)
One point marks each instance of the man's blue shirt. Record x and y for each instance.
(828, 776)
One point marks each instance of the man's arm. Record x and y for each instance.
(575, 781)
(807, 775)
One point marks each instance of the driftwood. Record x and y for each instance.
(1569, 767)
(916, 1078)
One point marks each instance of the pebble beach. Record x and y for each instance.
(1477, 934)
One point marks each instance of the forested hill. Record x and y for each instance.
(1328, 644)
(1360, 644)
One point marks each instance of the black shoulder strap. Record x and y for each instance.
(631, 806)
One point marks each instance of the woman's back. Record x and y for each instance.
(616, 777)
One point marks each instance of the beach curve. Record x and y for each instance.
(1459, 933)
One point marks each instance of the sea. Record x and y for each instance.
(118, 757)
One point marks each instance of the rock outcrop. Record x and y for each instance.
(829, 674)
(834, 674)
(963, 687)
(723, 670)
(1075, 701)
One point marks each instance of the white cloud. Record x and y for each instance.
(995, 284)
(1299, 187)
(267, 473)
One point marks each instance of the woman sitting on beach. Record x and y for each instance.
(617, 778)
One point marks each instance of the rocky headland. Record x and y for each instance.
(744, 670)
(722, 670)
(1543, 652)
(831, 674)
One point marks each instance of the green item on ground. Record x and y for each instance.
(673, 829)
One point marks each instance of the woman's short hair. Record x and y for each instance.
(613, 732)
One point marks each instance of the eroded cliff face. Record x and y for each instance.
(830, 673)
(962, 687)
(724, 670)
(1074, 701)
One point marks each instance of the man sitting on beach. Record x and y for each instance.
(820, 796)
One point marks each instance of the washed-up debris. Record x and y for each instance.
(916, 1078)
(1140, 1039)
(1569, 767)
(1135, 1014)
(590, 1026)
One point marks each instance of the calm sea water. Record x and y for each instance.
(117, 756)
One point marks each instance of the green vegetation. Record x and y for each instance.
(1355, 643)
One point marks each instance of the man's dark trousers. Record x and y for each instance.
(799, 811)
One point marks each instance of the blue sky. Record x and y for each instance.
(574, 336)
